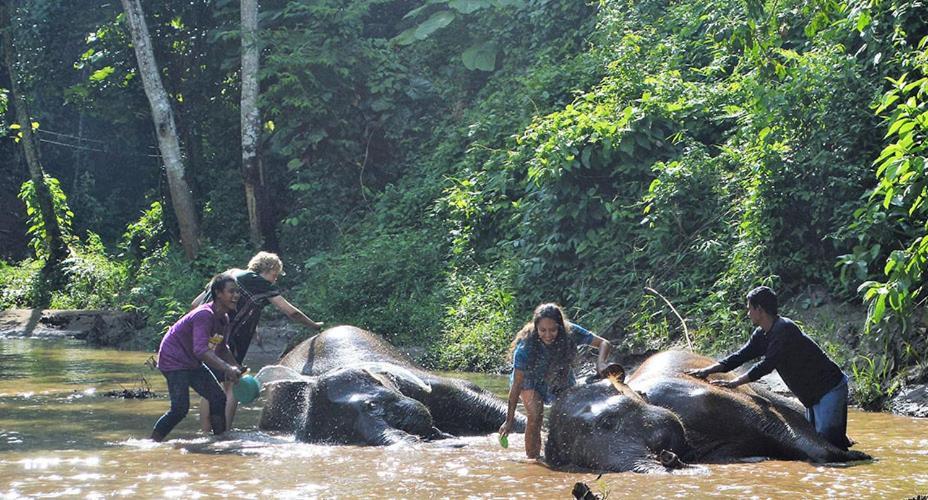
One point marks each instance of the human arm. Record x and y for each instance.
(203, 325)
(709, 370)
(232, 372)
(518, 376)
(754, 348)
(293, 313)
(223, 352)
(605, 347)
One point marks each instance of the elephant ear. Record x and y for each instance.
(384, 380)
(401, 379)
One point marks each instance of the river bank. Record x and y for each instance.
(117, 329)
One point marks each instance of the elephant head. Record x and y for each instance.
(369, 404)
(606, 426)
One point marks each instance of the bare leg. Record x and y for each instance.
(231, 405)
(534, 409)
(205, 425)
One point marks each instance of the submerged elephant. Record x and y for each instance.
(660, 413)
(350, 386)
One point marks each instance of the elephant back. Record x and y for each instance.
(343, 346)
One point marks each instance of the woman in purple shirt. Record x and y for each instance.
(197, 338)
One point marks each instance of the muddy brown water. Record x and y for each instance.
(61, 437)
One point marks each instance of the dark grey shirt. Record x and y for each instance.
(802, 364)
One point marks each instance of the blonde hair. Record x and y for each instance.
(265, 261)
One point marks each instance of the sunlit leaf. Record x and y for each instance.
(102, 73)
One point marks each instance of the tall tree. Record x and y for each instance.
(57, 248)
(163, 116)
(260, 226)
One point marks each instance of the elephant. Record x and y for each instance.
(606, 426)
(349, 386)
(660, 410)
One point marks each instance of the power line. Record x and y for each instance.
(105, 149)
(59, 134)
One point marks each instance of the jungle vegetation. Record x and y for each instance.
(435, 168)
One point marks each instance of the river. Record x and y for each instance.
(61, 437)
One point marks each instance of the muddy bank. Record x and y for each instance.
(97, 327)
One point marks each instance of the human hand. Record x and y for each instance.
(233, 374)
(505, 428)
(729, 384)
(698, 373)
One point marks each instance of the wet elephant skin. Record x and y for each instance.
(636, 424)
(353, 387)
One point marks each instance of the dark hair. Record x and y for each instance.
(564, 350)
(764, 298)
(218, 283)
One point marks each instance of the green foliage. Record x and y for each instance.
(20, 285)
(145, 235)
(95, 280)
(479, 326)
(873, 378)
(894, 223)
(38, 236)
(438, 168)
(387, 282)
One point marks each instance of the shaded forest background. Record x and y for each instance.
(438, 168)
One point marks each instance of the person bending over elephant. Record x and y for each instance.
(196, 338)
(815, 379)
(542, 357)
(258, 288)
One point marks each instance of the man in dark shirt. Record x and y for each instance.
(815, 379)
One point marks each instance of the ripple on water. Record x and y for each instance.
(43, 463)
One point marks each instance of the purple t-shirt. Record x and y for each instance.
(200, 330)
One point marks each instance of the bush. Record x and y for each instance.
(479, 323)
(385, 282)
(20, 284)
(94, 280)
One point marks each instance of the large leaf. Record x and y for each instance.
(481, 56)
(468, 6)
(434, 23)
(406, 37)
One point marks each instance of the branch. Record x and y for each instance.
(686, 331)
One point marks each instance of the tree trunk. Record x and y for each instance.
(57, 249)
(163, 117)
(261, 230)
